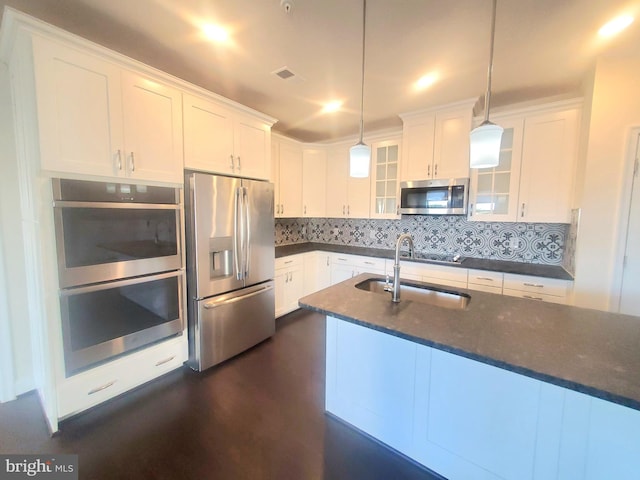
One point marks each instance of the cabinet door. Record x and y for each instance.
(340, 273)
(317, 271)
(79, 111)
(549, 152)
(290, 188)
(417, 142)
(252, 140)
(494, 191)
(208, 136)
(152, 129)
(358, 196)
(314, 183)
(384, 179)
(279, 281)
(337, 182)
(451, 143)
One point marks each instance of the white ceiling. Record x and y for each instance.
(542, 48)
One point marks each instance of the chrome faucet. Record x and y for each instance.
(395, 294)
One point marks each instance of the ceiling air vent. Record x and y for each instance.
(286, 74)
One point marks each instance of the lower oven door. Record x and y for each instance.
(102, 321)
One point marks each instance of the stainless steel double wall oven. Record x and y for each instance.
(120, 267)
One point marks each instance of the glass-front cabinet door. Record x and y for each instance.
(384, 178)
(494, 191)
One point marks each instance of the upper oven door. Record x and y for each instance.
(102, 241)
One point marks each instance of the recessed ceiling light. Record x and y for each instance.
(332, 106)
(426, 81)
(615, 26)
(216, 33)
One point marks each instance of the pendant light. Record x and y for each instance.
(360, 153)
(484, 151)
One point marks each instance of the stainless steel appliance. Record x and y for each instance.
(435, 197)
(230, 266)
(119, 266)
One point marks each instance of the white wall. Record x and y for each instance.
(615, 109)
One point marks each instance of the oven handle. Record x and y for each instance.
(221, 302)
(137, 206)
(67, 292)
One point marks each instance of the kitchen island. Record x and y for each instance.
(505, 388)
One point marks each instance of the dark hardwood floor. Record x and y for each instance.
(257, 416)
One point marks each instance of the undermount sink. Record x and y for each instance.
(419, 293)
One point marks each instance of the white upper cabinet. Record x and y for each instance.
(494, 191)
(549, 159)
(314, 182)
(219, 139)
(96, 118)
(385, 171)
(345, 196)
(436, 142)
(287, 177)
(534, 181)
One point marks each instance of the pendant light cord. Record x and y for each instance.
(487, 97)
(364, 23)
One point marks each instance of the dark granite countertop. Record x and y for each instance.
(590, 351)
(549, 271)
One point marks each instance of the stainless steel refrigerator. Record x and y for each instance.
(230, 266)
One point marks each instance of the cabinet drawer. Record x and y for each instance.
(536, 285)
(534, 296)
(452, 274)
(486, 288)
(289, 261)
(106, 381)
(486, 278)
(364, 264)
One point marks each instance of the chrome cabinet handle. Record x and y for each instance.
(101, 387)
(471, 209)
(343, 209)
(239, 164)
(327, 260)
(232, 164)
(369, 263)
(537, 285)
(532, 298)
(348, 209)
(288, 261)
(485, 278)
(281, 208)
(305, 210)
(522, 211)
(133, 163)
(166, 360)
(428, 170)
(119, 154)
(435, 170)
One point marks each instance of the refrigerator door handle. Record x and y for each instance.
(247, 229)
(227, 301)
(237, 235)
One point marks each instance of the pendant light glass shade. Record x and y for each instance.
(360, 154)
(359, 160)
(485, 142)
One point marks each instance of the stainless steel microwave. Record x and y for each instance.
(435, 197)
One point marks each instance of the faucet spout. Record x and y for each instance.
(395, 294)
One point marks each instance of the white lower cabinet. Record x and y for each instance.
(465, 419)
(289, 281)
(344, 266)
(430, 273)
(86, 389)
(536, 288)
(317, 271)
(485, 281)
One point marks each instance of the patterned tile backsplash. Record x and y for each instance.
(521, 242)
